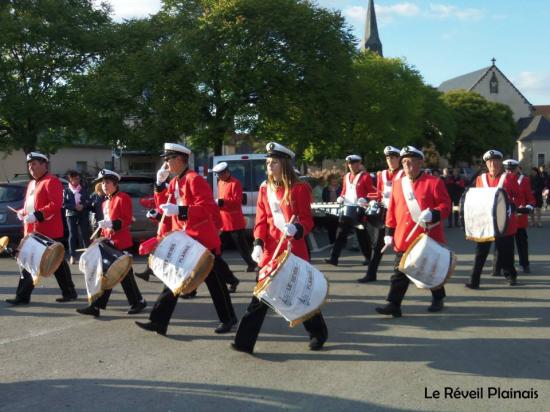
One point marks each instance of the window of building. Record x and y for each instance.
(541, 159)
(493, 84)
(82, 167)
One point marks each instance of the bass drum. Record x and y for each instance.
(39, 255)
(485, 213)
(292, 287)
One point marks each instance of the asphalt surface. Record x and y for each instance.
(485, 341)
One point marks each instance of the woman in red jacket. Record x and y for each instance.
(280, 197)
(117, 217)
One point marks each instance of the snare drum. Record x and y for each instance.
(181, 262)
(39, 255)
(427, 263)
(294, 288)
(103, 266)
(350, 213)
(376, 214)
(484, 212)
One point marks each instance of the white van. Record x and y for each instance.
(250, 170)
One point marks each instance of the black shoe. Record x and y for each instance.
(471, 286)
(189, 295)
(18, 301)
(331, 262)
(69, 298)
(153, 327)
(316, 343)
(526, 269)
(390, 309)
(366, 262)
(138, 307)
(226, 327)
(436, 306)
(239, 349)
(233, 286)
(145, 275)
(366, 280)
(251, 268)
(512, 281)
(89, 310)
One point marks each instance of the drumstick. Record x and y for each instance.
(95, 233)
(283, 238)
(12, 209)
(412, 231)
(163, 215)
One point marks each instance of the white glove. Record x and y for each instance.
(152, 214)
(105, 224)
(170, 209)
(162, 174)
(425, 216)
(340, 200)
(530, 207)
(388, 241)
(30, 218)
(257, 253)
(21, 215)
(289, 229)
(362, 202)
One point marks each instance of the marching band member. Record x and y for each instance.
(230, 199)
(356, 185)
(191, 208)
(115, 226)
(384, 184)
(496, 177)
(279, 198)
(416, 198)
(528, 205)
(41, 213)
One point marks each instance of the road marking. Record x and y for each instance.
(37, 334)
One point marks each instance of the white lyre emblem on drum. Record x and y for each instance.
(294, 288)
(181, 262)
(485, 213)
(39, 255)
(427, 263)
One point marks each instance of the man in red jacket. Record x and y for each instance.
(415, 198)
(42, 214)
(527, 205)
(190, 208)
(496, 177)
(356, 186)
(230, 200)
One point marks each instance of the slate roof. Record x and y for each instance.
(538, 129)
(372, 39)
(466, 81)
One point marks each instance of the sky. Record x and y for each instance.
(443, 39)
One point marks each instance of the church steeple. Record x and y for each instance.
(372, 39)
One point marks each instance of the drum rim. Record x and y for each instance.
(106, 282)
(496, 230)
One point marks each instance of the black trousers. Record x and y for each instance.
(239, 239)
(454, 214)
(400, 283)
(505, 255)
(251, 323)
(223, 270)
(377, 253)
(166, 302)
(131, 290)
(79, 231)
(345, 226)
(62, 275)
(523, 251)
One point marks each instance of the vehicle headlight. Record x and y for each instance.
(3, 217)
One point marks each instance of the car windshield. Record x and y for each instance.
(136, 189)
(11, 193)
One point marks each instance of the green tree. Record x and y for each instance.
(43, 46)
(480, 125)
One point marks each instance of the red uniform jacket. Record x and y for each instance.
(265, 229)
(48, 200)
(524, 184)
(364, 185)
(231, 212)
(120, 212)
(511, 188)
(202, 212)
(430, 192)
(380, 181)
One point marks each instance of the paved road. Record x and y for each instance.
(497, 337)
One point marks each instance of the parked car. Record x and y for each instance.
(11, 195)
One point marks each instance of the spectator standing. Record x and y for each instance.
(76, 202)
(537, 186)
(96, 199)
(455, 186)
